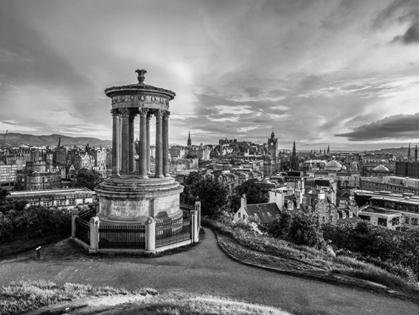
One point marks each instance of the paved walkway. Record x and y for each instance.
(205, 269)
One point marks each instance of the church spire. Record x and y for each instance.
(189, 139)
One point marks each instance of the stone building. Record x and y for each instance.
(37, 177)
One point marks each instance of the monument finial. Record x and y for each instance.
(141, 74)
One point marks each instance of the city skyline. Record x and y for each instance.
(343, 74)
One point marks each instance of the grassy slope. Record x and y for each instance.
(308, 258)
(23, 296)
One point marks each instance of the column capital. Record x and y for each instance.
(159, 113)
(143, 111)
(125, 112)
(166, 114)
(115, 112)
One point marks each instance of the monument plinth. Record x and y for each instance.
(130, 195)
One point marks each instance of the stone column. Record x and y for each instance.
(94, 234)
(165, 144)
(74, 216)
(120, 144)
(115, 142)
(158, 159)
(131, 166)
(125, 141)
(150, 235)
(149, 117)
(143, 143)
(197, 207)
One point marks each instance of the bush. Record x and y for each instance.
(304, 230)
(280, 228)
(397, 252)
(33, 222)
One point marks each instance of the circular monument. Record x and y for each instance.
(132, 195)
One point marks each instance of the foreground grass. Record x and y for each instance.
(24, 296)
(196, 305)
(311, 257)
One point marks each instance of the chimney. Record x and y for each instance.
(321, 195)
(243, 201)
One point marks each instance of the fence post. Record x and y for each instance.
(74, 215)
(194, 226)
(150, 234)
(197, 207)
(94, 234)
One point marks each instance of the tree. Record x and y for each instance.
(254, 193)
(280, 228)
(88, 178)
(304, 230)
(213, 194)
(3, 196)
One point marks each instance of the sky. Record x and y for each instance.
(318, 72)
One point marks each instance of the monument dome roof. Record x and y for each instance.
(333, 165)
(138, 87)
(380, 168)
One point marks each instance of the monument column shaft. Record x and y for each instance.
(125, 141)
(165, 144)
(143, 143)
(158, 158)
(131, 147)
(115, 142)
(148, 143)
(119, 144)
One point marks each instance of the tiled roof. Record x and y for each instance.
(266, 212)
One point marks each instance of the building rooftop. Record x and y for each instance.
(266, 212)
(50, 191)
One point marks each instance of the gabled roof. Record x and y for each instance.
(266, 212)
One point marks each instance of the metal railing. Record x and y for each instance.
(172, 232)
(122, 236)
(87, 214)
(83, 230)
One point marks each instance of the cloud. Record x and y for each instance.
(392, 127)
(410, 36)
(400, 12)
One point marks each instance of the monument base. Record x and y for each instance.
(129, 199)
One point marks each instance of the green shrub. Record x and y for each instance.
(33, 222)
(396, 252)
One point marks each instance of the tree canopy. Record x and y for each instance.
(88, 178)
(254, 193)
(212, 193)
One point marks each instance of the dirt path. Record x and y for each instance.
(204, 269)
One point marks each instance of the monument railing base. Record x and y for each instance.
(152, 235)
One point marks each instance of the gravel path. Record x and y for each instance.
(204, 269)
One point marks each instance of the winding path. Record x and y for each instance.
(205, 269)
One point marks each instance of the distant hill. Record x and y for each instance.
(398, 152)
(16, 139)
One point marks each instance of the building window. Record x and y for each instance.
(395, 221)
(364, 217)
(244, 216)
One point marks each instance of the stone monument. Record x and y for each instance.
(132, 195)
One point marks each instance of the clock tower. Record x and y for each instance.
(272, 145)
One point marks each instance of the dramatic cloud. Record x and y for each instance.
(394, 127)
(401, 12)
(410, 36)
(308, 69)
